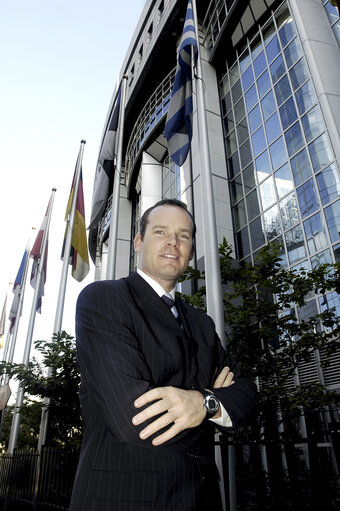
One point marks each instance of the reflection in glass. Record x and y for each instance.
(287, 32)
(301, 167)
(336, 250)
(294, 139)
(263, 84)
(247, 78)
(273, 49)
(253, 207)
(226, 103)
(251, 97)
(289, 211)
(234, 74)
(322, 258)
(332, 213)
(228, 122)
(329, 184)
(305, 97)
(254, 118)
(262, 166)
(299, 74)
(315, 233)
(277, 69)
(272, 224)
(268, 104)
(273, 128)
(242, 243)
(267, 192)
(288, 113)
(236, 190)
(282, 90)
(233, 166)
(245, 154)
(293, 52)
(320, 152)
(256, 233)
(309, 310)
(278, 243)
(242, 131)
(332, 13)
(244, 60)
(329, 301)
(239, 215)
(260, 64)
(231, 143)
(295, 244)
(249, 178)
(312, 123)
(256, 46)
(308, 201)
(283, 181)
(258, 141)
(236, 91)
(225, 85)
(278, 153)
(239, 111)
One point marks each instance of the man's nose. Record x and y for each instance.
(172, 240)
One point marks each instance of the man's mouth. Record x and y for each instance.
(170, 256)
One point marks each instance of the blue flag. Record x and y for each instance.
(17, 291)
(178, 126)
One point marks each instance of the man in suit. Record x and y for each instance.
(155, 382)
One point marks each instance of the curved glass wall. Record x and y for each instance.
(284, 181)
(333, 16)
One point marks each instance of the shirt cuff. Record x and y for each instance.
(224, 420)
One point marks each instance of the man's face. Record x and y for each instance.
(167, 246)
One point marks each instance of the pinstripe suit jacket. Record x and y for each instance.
(128, 342)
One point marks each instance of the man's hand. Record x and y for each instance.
(181, 408)
(224, 379)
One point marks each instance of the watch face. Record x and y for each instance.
(211, 404)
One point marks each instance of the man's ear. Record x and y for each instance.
(137, 243)
(192, 252)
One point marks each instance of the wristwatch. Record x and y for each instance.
(211, 404)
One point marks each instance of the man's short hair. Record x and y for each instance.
(164, 202)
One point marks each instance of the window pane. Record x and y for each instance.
(273, 128)
(242, 243)
(329, 184)
(283, 181)
(301, 167)
(299, 74)
(234, 74)
(242, 132)
(272, 224)
(282, 90)
(289, 211)
(320, 153)
(278, 153)
(239, 111)
(263, 84)
(288, 113)
(307, 198)
(260, 64)
(236, 190)
(251, 98)
(247, 78)
(267, 192)
(258, 141)
(295, 244)
(262, 166)
(231, 143)
(315, 233)
(329, 301)
(239, 215)
(294, 139)
(321, 258)
(233, 166)
(336, 250)
(312, 123)
(305, 97)
(228, 122)
(256, 233)
(245, 154)
(332, 12)
(293, 52)
(244, 60)
(236, 91)
(253, 206)
(249, 178)
(254, 118)
(273, 49)
(332, 213)
(268, 105)
(256, 47)
(287, 32)
(277, 68)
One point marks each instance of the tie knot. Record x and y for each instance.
(169, 301)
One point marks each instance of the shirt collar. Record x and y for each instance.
(155, 285)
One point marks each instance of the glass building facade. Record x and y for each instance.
(283, 176)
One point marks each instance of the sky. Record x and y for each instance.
(59, 64)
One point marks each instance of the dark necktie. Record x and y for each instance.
(171, 304)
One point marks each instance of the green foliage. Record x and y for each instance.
(56, 377)
(264, 333)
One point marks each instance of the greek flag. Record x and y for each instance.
(178, 126)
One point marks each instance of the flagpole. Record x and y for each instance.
(20, 395)
(62, 289)
(113, 233)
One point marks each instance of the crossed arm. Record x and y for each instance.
(181, 408)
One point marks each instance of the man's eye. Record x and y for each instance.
(184, 236)
(159, 232)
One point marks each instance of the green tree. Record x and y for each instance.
(62, 387)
